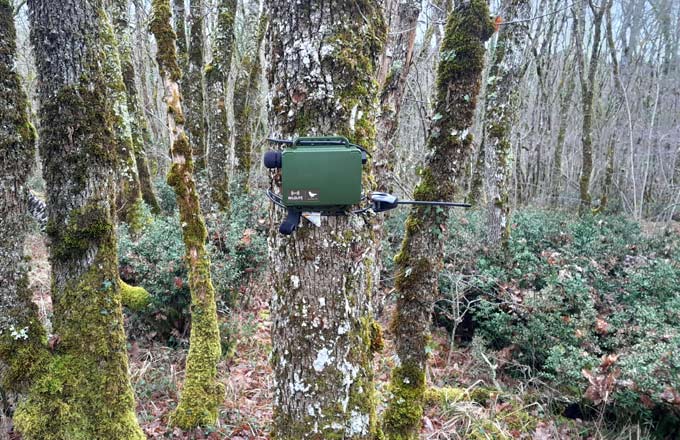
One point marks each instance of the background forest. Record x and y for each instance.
(549, 310)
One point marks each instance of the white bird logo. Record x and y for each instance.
(312, 195)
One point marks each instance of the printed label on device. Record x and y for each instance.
(302, 195)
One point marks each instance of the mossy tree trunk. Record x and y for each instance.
(323, 62)
(85, 391)
(588, 78)
(246, 105)
(129, 195)
(441, 178)
(567, 86)
(201, 393)
(179, 16)
(477, 180)
(192, 87)
(608, 177)
(395, 67)
(138, 123)
(501, 106)
(22, 349)
(216, 76)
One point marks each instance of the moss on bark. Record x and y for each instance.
(324, 336)
(216, 75)
(246, 108)
(22, 338)
(134, 298)
(201, 393)
(420, 258)
(83, 391)
(138, 123)
(129, 195)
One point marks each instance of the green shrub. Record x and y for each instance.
(155, 260)
(571, 291)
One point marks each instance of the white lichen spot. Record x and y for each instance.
(358, 423)
(322, 301)
(18, 334)
(298, 384)
(326, 50)
(323, 358)
(353, 117)
(349, 373)
(344, 328)
(295, 281)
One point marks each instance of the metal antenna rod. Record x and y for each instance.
(416, 202)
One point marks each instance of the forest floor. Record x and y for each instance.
(479, 400)
(157, 373)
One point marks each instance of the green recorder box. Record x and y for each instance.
(321, 172)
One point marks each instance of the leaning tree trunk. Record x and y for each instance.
(246, 110)
(501, 105)
(22, 353)
(138, 123)
(323, 59)
(216, 75)
(85, 390)
(420, 258)
(202, 393)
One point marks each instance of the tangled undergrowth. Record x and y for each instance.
(581, 313)
(572, 333)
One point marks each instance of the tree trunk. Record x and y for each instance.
(556, 173)
(202, 393)
(216, 76)
(323, 62)
(477, 180)
(22, 352)
(138, 123)
(608, 177)
(420, 258)
(179, 16)
(129, 195)
(588, 84)
(396, 65)
(85, 391)
(501, 106)
(246, 110)
(192, 87)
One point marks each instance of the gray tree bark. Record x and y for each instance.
(192, 87)
(246, 108)
(216, 76)
(500, 113)
(90, 395)
(588, 77)
(138, 123)
(21, 335)
(324, 58)
(395, 67)
(420, 258)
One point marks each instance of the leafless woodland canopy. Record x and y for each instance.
(636, 111)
